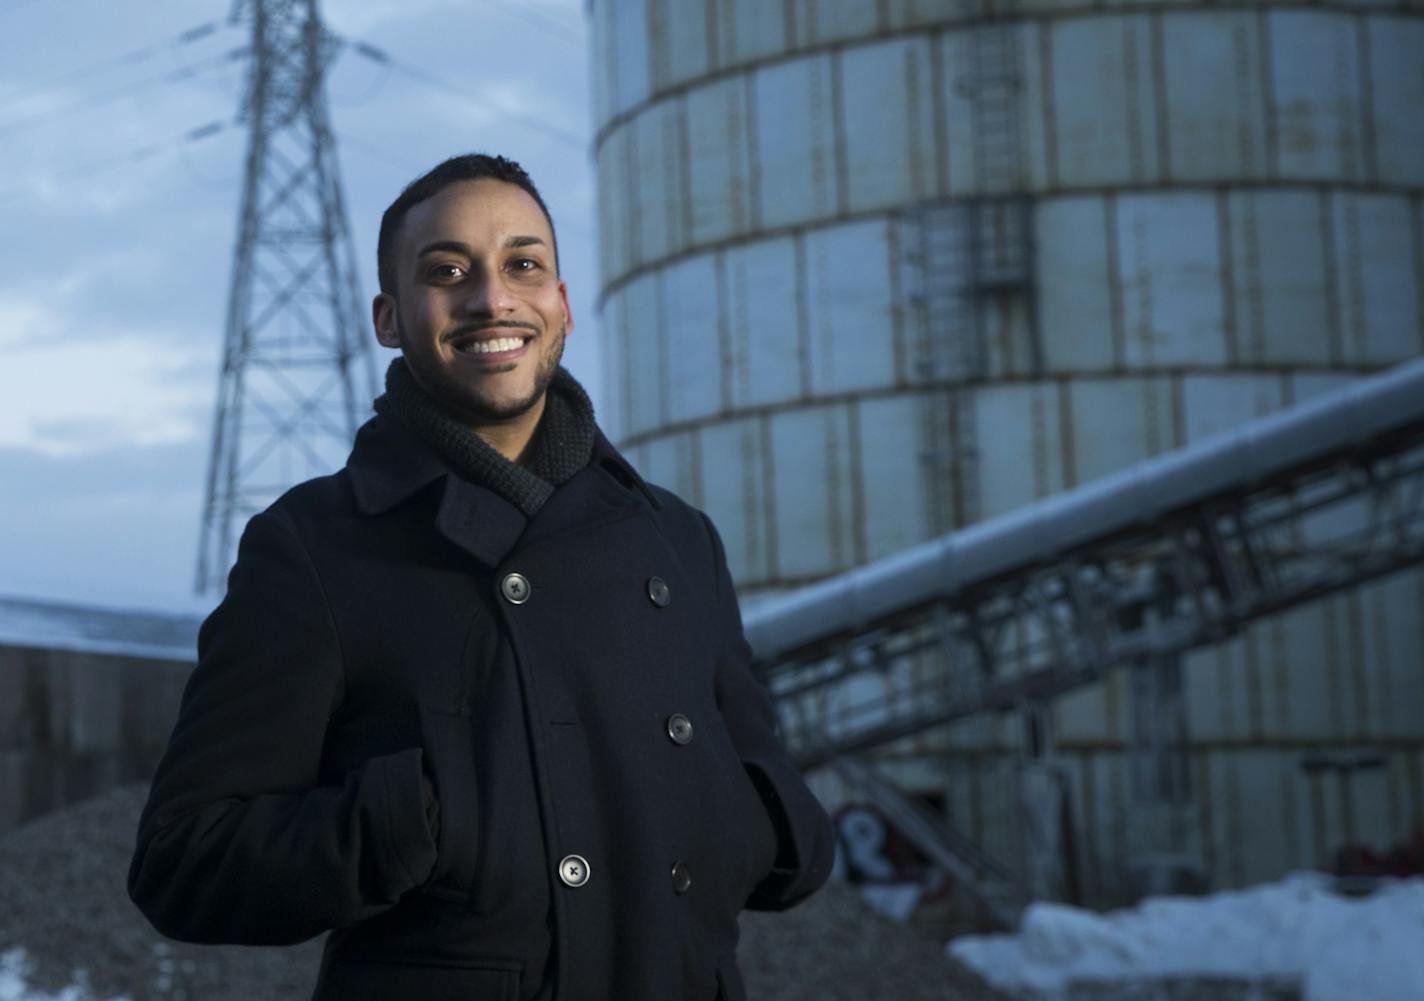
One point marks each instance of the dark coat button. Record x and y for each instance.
(679, 729)
(515, 588)
(573, 870)
(659, 592)
(681, 877)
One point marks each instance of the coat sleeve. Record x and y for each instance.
(238, 843)
(805, 848)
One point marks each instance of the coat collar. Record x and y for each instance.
(389, 465)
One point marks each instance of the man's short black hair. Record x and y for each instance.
(467, 167)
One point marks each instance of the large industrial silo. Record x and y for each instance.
(873, 271)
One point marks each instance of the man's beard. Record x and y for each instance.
(467, 404)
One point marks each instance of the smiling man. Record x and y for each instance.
(479, 703)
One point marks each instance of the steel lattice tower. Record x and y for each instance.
(297, 368)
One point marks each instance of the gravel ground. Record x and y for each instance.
(62, 899)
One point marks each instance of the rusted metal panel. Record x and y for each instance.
(1076, 278)
(678, 41)
(719, 159)
(631, 81)
(889, 158)
(1103, 103)
(1379, 298)
(1214, 95)
(820, 21)
(847, 311)
(892, 478)
(660, 197)
(749, 29)
(1116, 422)
(1019, 445)
(1396, 70)
(763, 323)
(691, 338)
(1170, 268)
(1315, 88)
(1216, 403)
(811, 478)
(795, 133)
(1280, 288)
(735, 495)
(671, 461)
(643, 342)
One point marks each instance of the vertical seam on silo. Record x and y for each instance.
(1416, 785)
(1255, 709)
(1335, 700)
(1417, 241)
(1038, 445)
(856, 456)
(914, 114)
(1334, 309)
(1394, 816)
(1319, 827)
(1366, 111)
(1384, 663)
(1227, 272)
(1358, 666)
(1290, 809)
(833, 454)
(939, 108)
(1089, 840)
(1114, 276)
(1205, 818)
(1067, 437)
(660, 343)
(724, 335)
(1235, 835)
(631, 173)
(1050, 114)
(1179, 409)
(685, 145)
(895, 230)
(1132, 100)
(739, 172)
(803, 319)
(838, 135)
(710, 25)
(788, 13)
(1347, 142)
(659, 46)
(1354, 278)
(1240, 39)
(1251, 262)
(1268, 94)
(770, 535)
(695, 459)
(750, 90)
(1159, 88)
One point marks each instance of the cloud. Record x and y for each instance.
(67, 396)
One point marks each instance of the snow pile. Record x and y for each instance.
(14, 986)
(1340, 948)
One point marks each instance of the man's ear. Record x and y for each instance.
(383, 315)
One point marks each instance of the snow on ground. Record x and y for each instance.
(1342, 948)
(14, 974)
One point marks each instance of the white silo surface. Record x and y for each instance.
(1224, 218)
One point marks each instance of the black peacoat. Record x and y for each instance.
(576, 689)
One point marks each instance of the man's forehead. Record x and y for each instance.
(481, 204)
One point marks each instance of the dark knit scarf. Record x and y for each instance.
(562, 444)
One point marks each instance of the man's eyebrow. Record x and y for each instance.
(456, 247)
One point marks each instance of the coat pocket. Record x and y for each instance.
(488, 980)
(447, 741)
(729, 980)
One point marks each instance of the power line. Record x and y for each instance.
(539, 19)
(132, 58)
(186, 72)
(135, 155)
(384, 58)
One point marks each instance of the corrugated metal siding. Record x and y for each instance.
(888, 160)
(795, 166)
(763, 323)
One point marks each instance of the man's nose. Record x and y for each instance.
(488, 295)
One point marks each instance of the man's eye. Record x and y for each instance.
(447, 271)
(524, 264)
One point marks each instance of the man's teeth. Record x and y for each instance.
(490, 347)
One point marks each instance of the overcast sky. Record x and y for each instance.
(115, 265)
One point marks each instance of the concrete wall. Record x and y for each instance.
(74, 724)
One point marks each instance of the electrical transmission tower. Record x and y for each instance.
(297, 367)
